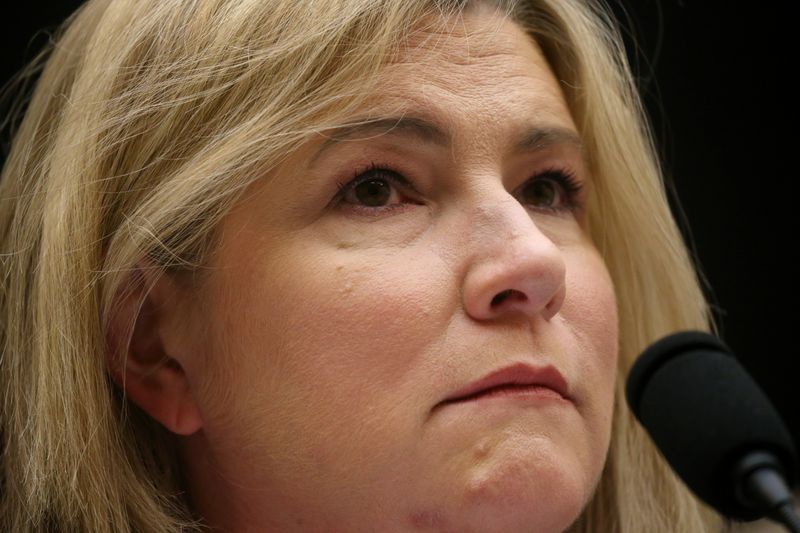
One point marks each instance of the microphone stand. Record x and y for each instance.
(761, 485)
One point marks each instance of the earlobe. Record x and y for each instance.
(145, 356)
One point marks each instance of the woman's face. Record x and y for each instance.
(406, 325)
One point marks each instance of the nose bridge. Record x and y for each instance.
(513, 267)
(499, 222)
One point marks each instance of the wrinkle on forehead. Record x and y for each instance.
(482, 89)
(503, 85)
(478, 68)
(463, 41)
(486, 43)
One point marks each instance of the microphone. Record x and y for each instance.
(715, 427)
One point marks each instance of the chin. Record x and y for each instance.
(541, 494)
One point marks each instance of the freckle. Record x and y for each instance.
(344, 245)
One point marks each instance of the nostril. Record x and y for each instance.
(500, 297)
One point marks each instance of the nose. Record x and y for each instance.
(514, 267)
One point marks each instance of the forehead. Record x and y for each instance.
(470, 53)
(467, 39)
(479, 68)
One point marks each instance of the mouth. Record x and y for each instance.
(519, 379)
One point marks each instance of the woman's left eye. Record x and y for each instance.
(551, 190)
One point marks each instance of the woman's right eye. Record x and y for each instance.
(374, 189)
(374, 192)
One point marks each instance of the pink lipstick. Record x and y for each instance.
(518, 378)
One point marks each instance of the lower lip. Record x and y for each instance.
(534, 393)
(526, 390)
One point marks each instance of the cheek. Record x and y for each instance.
(332, 339)
(366, 316)
(590, 308)
(590, 311)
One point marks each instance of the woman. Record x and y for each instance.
(335, 266)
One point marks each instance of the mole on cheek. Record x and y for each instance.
(428, 519)
(347, 288)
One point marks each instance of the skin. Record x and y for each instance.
(306, 374)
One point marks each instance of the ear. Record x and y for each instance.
(146, 355)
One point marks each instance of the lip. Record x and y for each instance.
(519, 375)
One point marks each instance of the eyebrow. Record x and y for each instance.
(532, 139)
(539, 138)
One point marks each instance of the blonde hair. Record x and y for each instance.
(149, 120)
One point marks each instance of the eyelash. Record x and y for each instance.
(564, 178)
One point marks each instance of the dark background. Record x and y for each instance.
(716, 81)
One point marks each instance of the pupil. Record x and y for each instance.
(373, 193)
(542, 193)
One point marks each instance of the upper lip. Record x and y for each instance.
(516, 374)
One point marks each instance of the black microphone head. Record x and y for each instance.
(705, 413)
